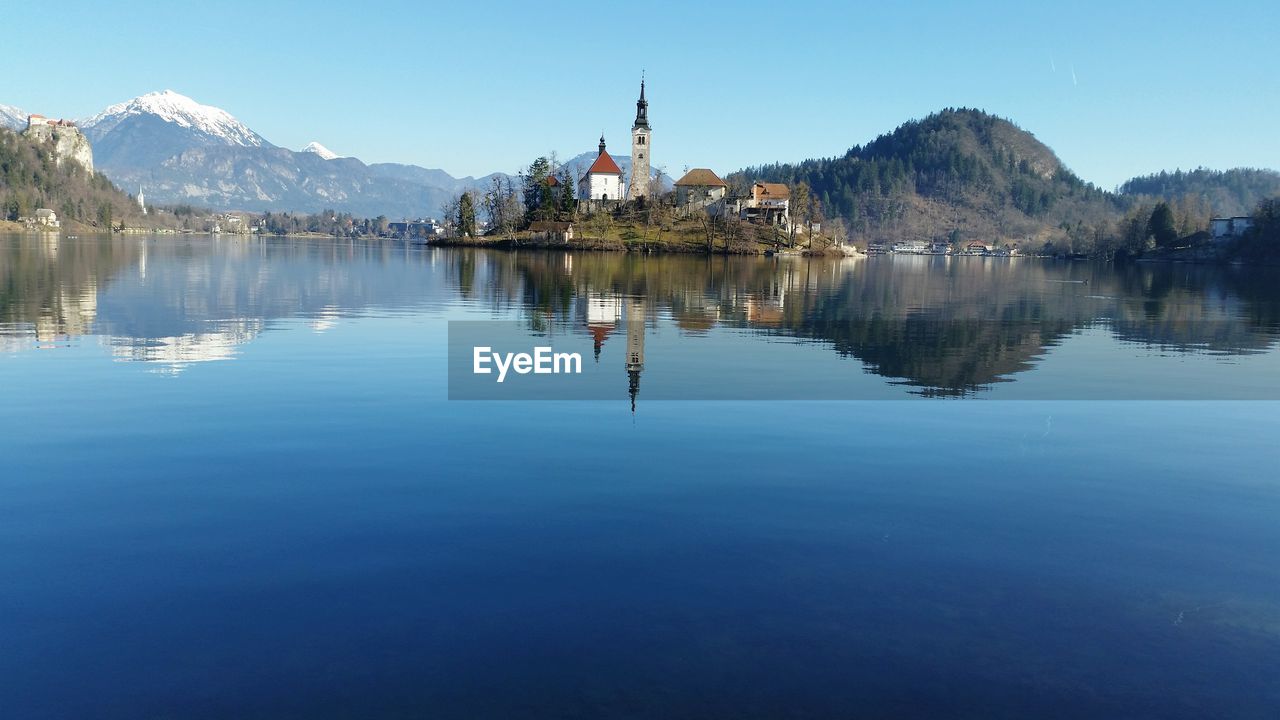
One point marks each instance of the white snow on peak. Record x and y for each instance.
(13, 118)
(181, 110)
(318, 149)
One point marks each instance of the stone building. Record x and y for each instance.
(47, 218)
(641, 134)
(699, 188)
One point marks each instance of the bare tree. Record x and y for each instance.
(449, 215)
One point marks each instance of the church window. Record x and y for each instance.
(641, 139)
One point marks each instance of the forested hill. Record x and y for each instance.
(1228, 192)
(958, 174)
(31, 178)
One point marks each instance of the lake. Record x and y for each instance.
(245, 478)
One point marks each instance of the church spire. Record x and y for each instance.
(642, 109)
(601, 144)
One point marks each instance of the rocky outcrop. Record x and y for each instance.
(68, 142)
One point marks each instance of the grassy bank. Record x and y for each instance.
(607, 233)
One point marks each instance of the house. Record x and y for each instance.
(421, 229)
(602, 182)
(47, 218)
(1224, 228)
(769, 203)
(700, 187)
(546, 231)
(977, 248)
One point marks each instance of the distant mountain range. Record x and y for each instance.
(12, 117)
(179, 151)
(959, 170)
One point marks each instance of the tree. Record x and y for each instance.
(1162, 227)
(466, 216)
(449, 215)
(800, 208)
(567, 202)
(539, 201)
(502, 204)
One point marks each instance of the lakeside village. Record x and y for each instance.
(601, 208)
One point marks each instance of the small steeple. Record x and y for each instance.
(601, 144)
(642, 108)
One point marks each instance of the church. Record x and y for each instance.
(603, 181)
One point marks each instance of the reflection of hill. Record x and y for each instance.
(176, 301)
(50, 285)
(949, 326)
(177, 352)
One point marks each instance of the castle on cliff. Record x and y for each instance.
(68, 142)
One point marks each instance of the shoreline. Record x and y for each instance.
(593, 245)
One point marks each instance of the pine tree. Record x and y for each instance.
(1161, 225)
(567, 202)
(466, 216)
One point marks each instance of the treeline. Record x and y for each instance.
(544, 192)
(962, 174)
(1261, 243)
(1228, 192)
(31, 178)
(327, 222)
(962, 158)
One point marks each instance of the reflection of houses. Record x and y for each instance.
(603, 313)
(763, 312)
(1224, 228)
(699, 188)
(635, 348)
(602, 183)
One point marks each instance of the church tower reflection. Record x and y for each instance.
(635, 347)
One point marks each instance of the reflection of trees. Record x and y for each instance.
(51, 284)
(949, 326)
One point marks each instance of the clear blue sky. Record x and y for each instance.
(1116, 88)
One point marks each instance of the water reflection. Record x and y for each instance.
(940, 326)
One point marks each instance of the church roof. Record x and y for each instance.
(701, 177)
(604, 165)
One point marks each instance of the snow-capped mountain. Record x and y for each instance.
(147, 130)
(180, 151)
(170, 107)
(12, 118)
(322, 151)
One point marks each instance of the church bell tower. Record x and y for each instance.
(638, 187)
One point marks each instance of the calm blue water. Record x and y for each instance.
(233, 486)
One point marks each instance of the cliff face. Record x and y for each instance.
(68, 143)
